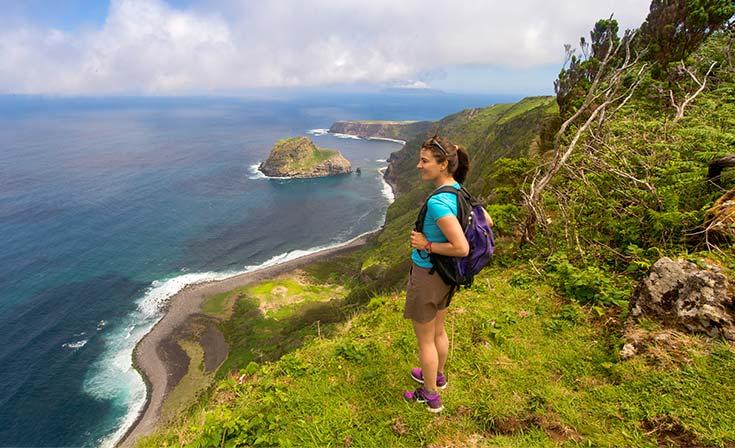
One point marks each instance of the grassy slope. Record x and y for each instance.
(526, 370)
(528, 367)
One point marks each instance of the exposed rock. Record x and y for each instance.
(717, 166)
(391, 175)
(720, 219)
(299, 157)
(628, 351)
(663, 346)
(397, 130)
(681, 295)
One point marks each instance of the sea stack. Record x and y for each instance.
(300, 157)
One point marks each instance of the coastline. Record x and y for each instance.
(185, 304)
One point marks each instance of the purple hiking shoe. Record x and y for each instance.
(433, 401)
(418, 376)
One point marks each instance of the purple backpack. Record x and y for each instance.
(461, 271)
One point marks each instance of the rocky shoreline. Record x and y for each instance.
(151, 353)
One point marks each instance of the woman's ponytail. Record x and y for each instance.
(463, 165)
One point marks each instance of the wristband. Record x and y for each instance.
(427, 248)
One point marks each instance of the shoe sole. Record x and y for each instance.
(420, 381)
(432, 410)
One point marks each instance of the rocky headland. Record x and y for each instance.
(300, 157)
(397, 130)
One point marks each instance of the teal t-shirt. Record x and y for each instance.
(439, 206)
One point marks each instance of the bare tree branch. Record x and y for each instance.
(689, 97)
(596, 102)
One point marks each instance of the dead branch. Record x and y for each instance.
(689, 97)
(608, 95)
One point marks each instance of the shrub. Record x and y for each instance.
(587, 285)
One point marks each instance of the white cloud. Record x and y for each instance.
(147, 46)
(412, 84)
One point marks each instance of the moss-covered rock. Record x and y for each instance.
(299, 157)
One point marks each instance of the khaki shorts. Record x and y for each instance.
(425, 295)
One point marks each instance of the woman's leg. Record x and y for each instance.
(441, 341)
(428, 355)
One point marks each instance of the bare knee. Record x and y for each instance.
(439, 333)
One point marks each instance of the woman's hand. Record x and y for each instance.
(418, 240)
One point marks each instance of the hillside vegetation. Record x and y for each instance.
(321, 358)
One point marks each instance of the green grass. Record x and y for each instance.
(526, 105)
(220, 305)
(383, 121)
(526, 369)
(274, 316)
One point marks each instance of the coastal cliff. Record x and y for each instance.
(299, 157)
(398, 130)
(547, 319)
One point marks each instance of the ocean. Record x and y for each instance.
(109, 206)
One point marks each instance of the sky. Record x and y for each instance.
(226, 47)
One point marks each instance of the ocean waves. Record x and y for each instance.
(387, 188)
(74, 345)
(255, 173)
(114, 378)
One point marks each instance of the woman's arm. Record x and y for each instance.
(487, 217)
(457, 245)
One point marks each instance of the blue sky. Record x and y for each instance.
(62, 14)
(174, 47)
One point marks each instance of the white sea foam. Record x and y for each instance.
(257, 174)
(157, 295)
(318, 132)
(113, 377)
(381, 160)
(402, 142)
(74, 345)
(387, 189)
(354, 137)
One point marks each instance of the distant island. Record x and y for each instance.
(396, 130)
(300, 157)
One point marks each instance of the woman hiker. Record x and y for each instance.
(427, 296)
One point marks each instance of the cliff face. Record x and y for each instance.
(500, 130)
(399, 130)
(299, 157)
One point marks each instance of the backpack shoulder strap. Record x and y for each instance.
(419, 225)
